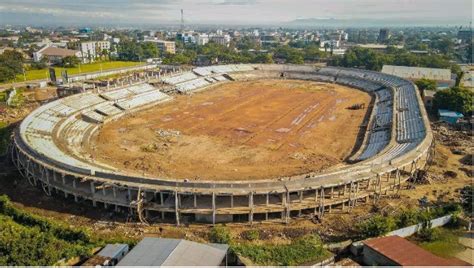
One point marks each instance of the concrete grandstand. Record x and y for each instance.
(47, 151)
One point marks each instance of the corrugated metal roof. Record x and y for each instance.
(171, 252)
(448, 113)
(418, 72)
(406, 253)
(112, 250)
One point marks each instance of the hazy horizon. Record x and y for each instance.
(242, 12)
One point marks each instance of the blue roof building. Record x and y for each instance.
(449, 116)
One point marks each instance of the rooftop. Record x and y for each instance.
(448, 113)
(55, 51)
(174, 252)
(418, 72)
(406, 253)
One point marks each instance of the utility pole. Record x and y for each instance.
(182, 21)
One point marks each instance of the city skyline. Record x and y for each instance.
(369, 12)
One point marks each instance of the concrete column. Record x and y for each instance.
(332, 192)
(195, 200)
(268, 199)
(161, 199)
(63, 178)
(213, 208)
(176, 207)
(92, 187)
(251, 207)
(114, 191)
(74, 182)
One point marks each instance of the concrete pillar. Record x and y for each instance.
(161, 199)
(213, 208)
(268, 199)
(251, 207)
(114, 191)
(195, 200)
(74, 182)
(63, 178)
(92, 187)
(176, 207)
(332, 192)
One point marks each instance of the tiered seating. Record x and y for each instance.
(141, 100)
(117, 94)
(357, 83)
(127, 92)
(174, 80)
(93, 116)
(108, 109)
(220, 78)
(45, 146)
(82, 100)
(141, 88)
(191, 85)
(74, 132)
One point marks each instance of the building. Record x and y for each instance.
(201, 39)
(397, 251)
(443, 77)
(175, 252)
(164, 46)
(449, 116)
(378, 47)
(384, 35)
(54, 54)
(102, 45)
(465, 35)
(110, 255)
(223, 40)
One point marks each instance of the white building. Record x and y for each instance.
(201, 39)
(223, 40)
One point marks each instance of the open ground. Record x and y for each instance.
(238, 131)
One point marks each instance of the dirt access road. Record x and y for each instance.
(238, 131)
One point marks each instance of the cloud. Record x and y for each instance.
(244, 11)
(238, 2)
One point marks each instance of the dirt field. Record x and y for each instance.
(238, 131)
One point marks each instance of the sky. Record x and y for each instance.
(437, 12)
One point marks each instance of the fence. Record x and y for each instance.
(410, 230)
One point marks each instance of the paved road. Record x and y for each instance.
(468, 254)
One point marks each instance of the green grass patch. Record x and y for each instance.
(445, 244)
(5, 132)
(83, 68)
(27, 239)
(305, 250)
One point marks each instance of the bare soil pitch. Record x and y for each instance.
(237, 131)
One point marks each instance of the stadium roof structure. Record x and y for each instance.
(418, 72)
(174, 252)
(406, 253)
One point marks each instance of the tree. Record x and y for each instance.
(6, 74)
(149, 50)
(425, 84)
(43, 63)
(70, 61)
(130, 51)
(263, 58)
(455, 99)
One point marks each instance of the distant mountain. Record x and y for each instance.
(334, 22)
